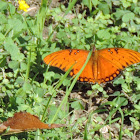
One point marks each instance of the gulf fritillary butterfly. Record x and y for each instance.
(103, 66)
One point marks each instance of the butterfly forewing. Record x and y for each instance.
(120, 57)
(112, 61)
(64, 59)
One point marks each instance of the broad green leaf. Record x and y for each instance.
(2, 37)
(118, 14)
(120, 100)
(3, 5)
(27, 86)
(13, 65)
(48, 75)
(77, 105)
(13, 50)
(104, 8)
(95, 2)
(12, 9)
(128, 16)
(3, 19)
(23, 66)
(19, 80)
(103, 34)
(15, 24)
(88, 3)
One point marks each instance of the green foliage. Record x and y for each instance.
(27, 84)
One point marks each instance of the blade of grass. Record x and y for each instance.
(122, 119)
(71, 4)
(85, 133)
(41, 17)
(28, 67)
(110, 115)
(113, 111)
(72, 85)
(54, 90)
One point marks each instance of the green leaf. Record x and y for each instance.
(13, 65)
(95, 2)
(88, 3)
(40, 91)
(15, 24)
(120, 100)
(48, 75)
(61, 34)
(70, 6)
(104, 8)
(2, 37)
(13, 50)
(126, 88)
(66, 82)
(77, 105)
(12, 9)
(13, 138)
(128, 16)
(118, 14)
(118, 81)
(137, 107)
(27, 86)
(3, 5)
(103, 34)
(23, 66)
(2, 62)
(19, 80)
(3, 19)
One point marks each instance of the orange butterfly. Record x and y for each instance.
(103, 66)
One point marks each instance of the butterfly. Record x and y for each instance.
(103, 66)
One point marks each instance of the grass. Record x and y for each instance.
(27, 84)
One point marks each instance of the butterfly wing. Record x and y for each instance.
(64, 59)
(103, 66)
(111, 61)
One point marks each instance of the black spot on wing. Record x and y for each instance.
(127, 63)
(70, 51)
(123, 66)
(116, 50)
(64, 68)
(56, 64)
(60, 65)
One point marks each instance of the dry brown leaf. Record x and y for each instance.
(23, 121)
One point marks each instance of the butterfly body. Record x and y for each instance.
(103, 66)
